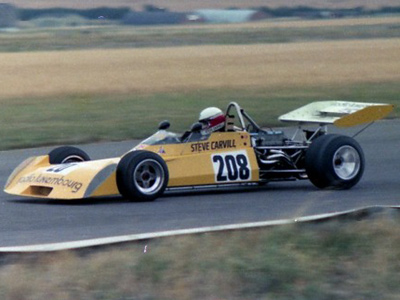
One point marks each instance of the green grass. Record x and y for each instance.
(34, 39)
(333, 260)
(87, 118)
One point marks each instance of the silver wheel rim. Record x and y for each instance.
(148, 176)
(72, 158)
(346, 162)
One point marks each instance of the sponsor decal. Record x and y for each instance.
(211, 130)
(75, 186)
(215, 145)
(161, 150)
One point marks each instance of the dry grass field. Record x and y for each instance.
(277, 23)
(182, 69)
(187, 5)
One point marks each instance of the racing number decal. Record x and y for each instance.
(62, 169)
(231, 166)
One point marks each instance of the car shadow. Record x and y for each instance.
(114, 200)
(90, 201)
(277, 186)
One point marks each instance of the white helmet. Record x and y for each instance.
(212, 119)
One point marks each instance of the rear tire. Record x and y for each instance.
(67, 154)
(142, 176)
(334, 161)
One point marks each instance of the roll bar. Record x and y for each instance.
(242, 115)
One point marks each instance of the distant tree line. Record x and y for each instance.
(284, 12)
(26, 14)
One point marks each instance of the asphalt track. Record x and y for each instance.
(26, 221)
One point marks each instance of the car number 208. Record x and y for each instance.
(231, 166)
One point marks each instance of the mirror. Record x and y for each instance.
(164, 125)
(196, 127)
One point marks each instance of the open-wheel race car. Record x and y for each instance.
(239, 153)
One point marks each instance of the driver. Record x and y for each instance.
(212, 119)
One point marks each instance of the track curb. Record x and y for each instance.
(357, 213)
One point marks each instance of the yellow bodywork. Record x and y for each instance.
(339, 113)
(192, 163)
(37, 177)
(365, 115)
(189, 164)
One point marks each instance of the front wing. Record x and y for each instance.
(36, 177)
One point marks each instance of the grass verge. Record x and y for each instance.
(87, 117)
(333, 260)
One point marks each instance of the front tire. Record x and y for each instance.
(334, 161)
(142, 176)
(67, 154)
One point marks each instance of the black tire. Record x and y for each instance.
(67, 154)
(334, 161)
(142, 176)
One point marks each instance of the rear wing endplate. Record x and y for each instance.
(339, 113)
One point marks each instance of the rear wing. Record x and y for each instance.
(339, 113)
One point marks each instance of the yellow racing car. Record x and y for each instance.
(221, 150)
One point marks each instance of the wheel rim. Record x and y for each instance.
(148, 176)
(72, 158)
(346, 162)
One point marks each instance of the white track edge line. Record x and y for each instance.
(145, 236)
